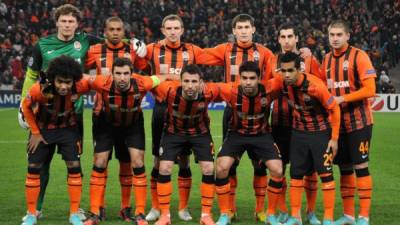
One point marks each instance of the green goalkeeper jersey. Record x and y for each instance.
(51, 47)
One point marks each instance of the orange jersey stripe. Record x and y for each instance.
(345, 74)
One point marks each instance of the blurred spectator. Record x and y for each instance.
(375, 24)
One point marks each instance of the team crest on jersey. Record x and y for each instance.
(302, 66)
(77, 45)
(345, 65)
(201, 105)
(256, 55)
(160, 151)
(306, 97)
(127, 55)
(263, 102)
(185, 56)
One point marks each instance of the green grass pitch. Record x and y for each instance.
(384, 167)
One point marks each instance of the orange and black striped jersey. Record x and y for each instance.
(102, 56)
(311, 102)
(281, 110)
(186, 117)
(166, 59)
(345, 73)
(232, 55)
(48, 110)
(250, 114)
(121, 108)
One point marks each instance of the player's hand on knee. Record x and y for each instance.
(34, 142)
(21, 119)
(139, 47)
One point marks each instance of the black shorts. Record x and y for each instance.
(172, 145)
(106, 137)
(157, 127)
(282, 137)
(67, 141)
(308, 153)
(259, 147)
(354, 147)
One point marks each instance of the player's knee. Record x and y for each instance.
(100, 161)
(137, 162)
(165, 167)
(72, 164)
(35, 165)
(222, 171)
(207, 168)
(361, 166)
(275, 168)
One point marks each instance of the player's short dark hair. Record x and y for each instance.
(67, 9)
(192, 69)
(287, 26)
(172, 17)
(113, 19)
(122, 61)
(290, 57)
(65, 67)
(242, 18)
(250, 66)
(340, 24)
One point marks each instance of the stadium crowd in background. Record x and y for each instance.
(22, 23)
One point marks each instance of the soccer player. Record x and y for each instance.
(101, 56)
(351, 78)
(187, 127)
(282, 119)
(315, 130)
(231, 56)
(169, 56)
(49, 112)
(118, 123)
(248, 131)
(65, 42)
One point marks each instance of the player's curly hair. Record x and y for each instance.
(65, 67)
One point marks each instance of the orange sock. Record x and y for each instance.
(223, 190)
(164, 191)
(32, 189)
(260, 187)
(103, 194)
(296, 192)
(140, 189)
(328, 192)
(125, 180)
(184, 186)
(274, 192)
(282, 198)
(311, 189)
(207, 190)
(232, 197)
(75, 190)
(97, 186)
(153, 189)
(364, 188)
(347, 191)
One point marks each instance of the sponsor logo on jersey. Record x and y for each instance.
(77, 45)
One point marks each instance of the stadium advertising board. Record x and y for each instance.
(380, 103)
